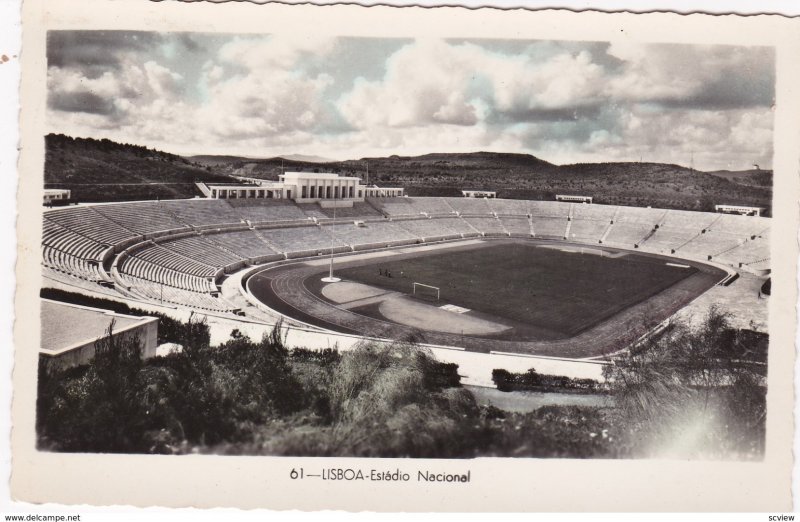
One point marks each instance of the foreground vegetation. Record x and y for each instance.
(691, 394)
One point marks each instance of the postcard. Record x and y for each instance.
(405, 259)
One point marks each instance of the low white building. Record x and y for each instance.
(56, 194)
(302, 187)
(479, 193)
(739, 209)
(574, 199)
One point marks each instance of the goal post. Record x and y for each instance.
(424, 289)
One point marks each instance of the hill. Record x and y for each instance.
(522, 176)
(103, 170)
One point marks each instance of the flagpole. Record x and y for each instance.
(330, 278)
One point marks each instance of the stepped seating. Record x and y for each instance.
(267, 210)
(359, 211)
(91, 224)
(488, 226)
(202, 250)
(458, 225)
(203, 212)
(169, 259)
(627, 234)
(69, 264)
(517, 226)
(149, 271)
(762, 264)
(314, 212)
(550, 227)
(143, 218)
(392, 207)
(583, 212)
(470, 206)
(642, 216)
(245, 244)
(430, 206)
(169, 294)
(427, 228)
(710, 243)
(668, 238)
(751, 251)
(60, 238)
(183, 268)
(373, 233)
(508, 207)
(745, 226)
(588, 230)
(300, 239)
(549, 209)
(684, 219)
(62, 277)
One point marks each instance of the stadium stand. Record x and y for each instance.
(470, 206)
(588, 231)
(372, 233)
(508, 207)
(161, 256)
(665, 239)
(549, 209)
(89, 223)
(394, 207)
(517, 226)
(685, 220)
(583, 212)
(58, 238)
(267, 210)
(459, 226)
(245, 244)
(710, 243)
(427, 229)
(204, 212)
(173, 250)
(406, 207)
(550, 227)
(628, 234)
(201, 250)
(301, 239)
(486, 225)
(640, 216)
(144, 218)
(359, 211)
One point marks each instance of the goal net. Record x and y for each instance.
(428, 291)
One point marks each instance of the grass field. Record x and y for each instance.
(543, 287)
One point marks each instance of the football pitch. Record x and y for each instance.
(564, 290)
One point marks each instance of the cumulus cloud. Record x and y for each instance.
(276, 94)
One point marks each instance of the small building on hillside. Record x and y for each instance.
(574, 199)
(739, 209)
(69, 331)
(479, 193)
(51, 195)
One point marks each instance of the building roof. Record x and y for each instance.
(66, 326)
(315, 175)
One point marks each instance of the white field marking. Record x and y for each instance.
(678, 265)
(455, 309)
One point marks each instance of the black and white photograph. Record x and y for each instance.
(300, 244)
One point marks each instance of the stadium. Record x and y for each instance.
(566, 283)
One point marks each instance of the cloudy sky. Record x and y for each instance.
(347, 98)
